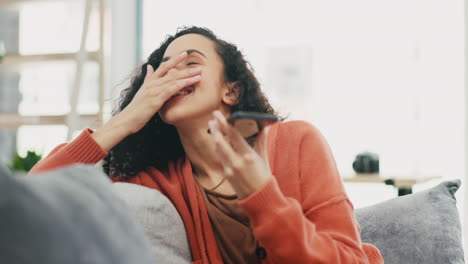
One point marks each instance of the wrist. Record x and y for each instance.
(118, 126)
(246, 189)
(109, 135)
(126, 122)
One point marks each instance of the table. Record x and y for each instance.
(403, 184)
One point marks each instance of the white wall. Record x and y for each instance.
(385, 76)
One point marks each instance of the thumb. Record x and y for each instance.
(149, 71)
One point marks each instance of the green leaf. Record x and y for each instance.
(25, 164)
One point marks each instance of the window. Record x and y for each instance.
(45, 86)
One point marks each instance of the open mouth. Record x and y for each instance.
(185, 91)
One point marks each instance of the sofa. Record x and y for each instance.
(423, 227)
(76, 215)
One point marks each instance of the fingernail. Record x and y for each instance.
(183, 54)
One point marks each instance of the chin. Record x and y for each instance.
(173, 117)
(179, 112)
(177, 116)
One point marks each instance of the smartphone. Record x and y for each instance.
(249, 124)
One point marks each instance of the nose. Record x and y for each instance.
(181, 65)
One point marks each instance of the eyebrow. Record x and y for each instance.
(189, 51)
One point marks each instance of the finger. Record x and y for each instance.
(174, 74)
(225, 150)
(261, 143)
(222, 157)
(149, 71)
(236, 139)
(171, 63)
(178, 85)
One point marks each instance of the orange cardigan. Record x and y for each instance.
(302, 215)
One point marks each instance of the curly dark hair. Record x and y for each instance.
(158, 143)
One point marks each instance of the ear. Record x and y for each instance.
(231, 94)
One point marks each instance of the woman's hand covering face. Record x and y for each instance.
(157, 88)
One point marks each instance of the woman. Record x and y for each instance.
(278, 201)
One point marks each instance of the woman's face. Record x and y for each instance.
(209, 93)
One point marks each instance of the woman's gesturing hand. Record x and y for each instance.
(157, 88)
(246, 168)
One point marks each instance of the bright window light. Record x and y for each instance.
(55, 27)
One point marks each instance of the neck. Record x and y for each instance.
(200, 150)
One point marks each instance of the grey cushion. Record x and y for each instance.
(68, 216)
(160, 220)
(420, 228)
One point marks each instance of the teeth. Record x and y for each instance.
(183, 92)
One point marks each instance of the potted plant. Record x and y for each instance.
(22, 165)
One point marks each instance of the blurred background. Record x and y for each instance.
(381, 76)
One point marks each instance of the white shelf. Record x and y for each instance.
(399, 182)
(13, 121)
(15, 59)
